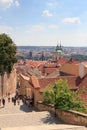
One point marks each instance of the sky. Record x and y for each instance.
(44, 22)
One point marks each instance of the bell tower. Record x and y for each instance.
(58, 53)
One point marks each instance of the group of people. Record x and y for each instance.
(29, 101)
(15, 100)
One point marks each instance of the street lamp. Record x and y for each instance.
(55, 91)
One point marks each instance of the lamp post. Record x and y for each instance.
(55, 91)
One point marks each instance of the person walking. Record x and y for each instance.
(0, 102)
(3, 102)
(9, 97)
(18, 101)
(14, 101)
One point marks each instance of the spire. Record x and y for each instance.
(60, 46)
(57, 47)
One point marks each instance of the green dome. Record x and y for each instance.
(59, 51)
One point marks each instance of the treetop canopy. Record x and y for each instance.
(7, 53)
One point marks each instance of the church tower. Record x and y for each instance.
(58, 53)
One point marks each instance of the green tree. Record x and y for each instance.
(62, 97)
(7, 56)
(49, 95)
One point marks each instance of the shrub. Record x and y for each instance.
(62, 97)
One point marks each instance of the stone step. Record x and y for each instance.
(47, 127)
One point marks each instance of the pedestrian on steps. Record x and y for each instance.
(0, 102)
(3, 102)
(14, 101)
(18, 101)
(9, 97)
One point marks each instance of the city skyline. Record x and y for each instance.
(44, 22)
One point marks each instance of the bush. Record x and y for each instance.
(48, 97)
(63, 98)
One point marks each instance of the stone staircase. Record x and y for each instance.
(22, 117)
(47, 127)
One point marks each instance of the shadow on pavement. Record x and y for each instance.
(51, 119)
(26, 108)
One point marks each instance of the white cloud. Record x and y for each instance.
(47, 13)
(8, 3)
(17, 3)
(5, 29)
(52, 4)
(53, 26)
(71, 20)
(41, 27)
(37, 36)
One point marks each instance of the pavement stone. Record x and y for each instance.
(22, 117)
(47, 127)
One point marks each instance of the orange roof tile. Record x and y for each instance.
(50, 70)
(35, 82)
(62, 60)
(34, 64)
(72, 81)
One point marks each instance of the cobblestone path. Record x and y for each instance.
(21, 117)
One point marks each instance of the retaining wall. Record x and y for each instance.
(69, 117)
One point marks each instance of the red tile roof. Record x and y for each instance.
(33, 63)
(63, 60)
(34, 81)
(42, 83)
(83, 82)
(50, 70)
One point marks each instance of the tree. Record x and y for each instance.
(7, 56)
(49, 95)
(63, 98)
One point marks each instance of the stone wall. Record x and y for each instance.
(37, 96)
(25, 86)
(69, 117)
(9, 83)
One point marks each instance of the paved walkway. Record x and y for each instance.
(21, 117)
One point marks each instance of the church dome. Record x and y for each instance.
(58, 49)
(59, 52)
